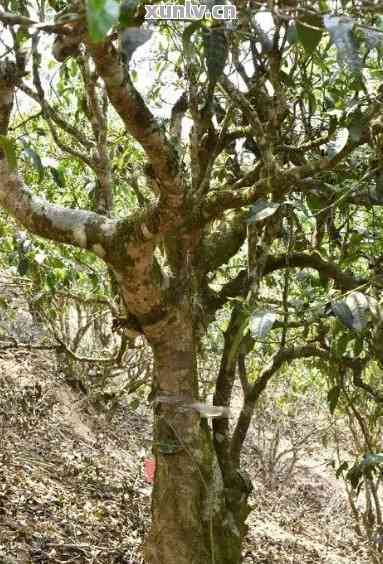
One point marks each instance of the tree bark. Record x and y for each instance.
(192, 520)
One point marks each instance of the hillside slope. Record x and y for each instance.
(72, 485)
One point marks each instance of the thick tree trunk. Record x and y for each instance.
(191, 520)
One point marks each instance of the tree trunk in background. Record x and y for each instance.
(192, 521)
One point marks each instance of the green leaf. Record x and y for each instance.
(134, 404)
(357, 126)
(292, 34)
(287, 79)
(216, 51)
(9, 149)
(23, 266)
(353, 311)
(127, 13)
(341, 33)
(341, 468)
(335, 146)
(323, 6)
(333, 398)
(58, 176)
(355, 240)
(364, 468)
(101, 16)
(341, 344)
(373, 38)
(343, 313)
(261, 323)
(314, 203)
(358, 347)
(262, 210)
(132, 38)
(51, 281)
(168, 447)
(307, 35)
(354, 475)
(22, 36)
(372, 459)
(35, 159)
(186, 38)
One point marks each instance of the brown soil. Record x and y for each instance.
(72, 485)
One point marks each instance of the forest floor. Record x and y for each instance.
(72, 484)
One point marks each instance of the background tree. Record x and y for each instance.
(284, 107)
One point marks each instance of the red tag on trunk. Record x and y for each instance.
(149, 469)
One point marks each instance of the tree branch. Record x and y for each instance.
(8, 18)
(97, 115)
(7, 89)
(220, 245)
(77, 227)
(139, 121)
(55, 116)
(247, 411)
(223, 389)
(81, 228)
(330, 270)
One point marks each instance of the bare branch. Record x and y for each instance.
(224, 386)
(247, 411)
(8, 18)
(240, 99)
(178, 112)
(98, 119)
(55, 116)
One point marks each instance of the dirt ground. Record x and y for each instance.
(72, 485)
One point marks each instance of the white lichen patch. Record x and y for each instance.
(109, 228)
(165, 282)
(145, 231)
(61, 218)
(37, 205)
(99, 250)
(79, 235)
